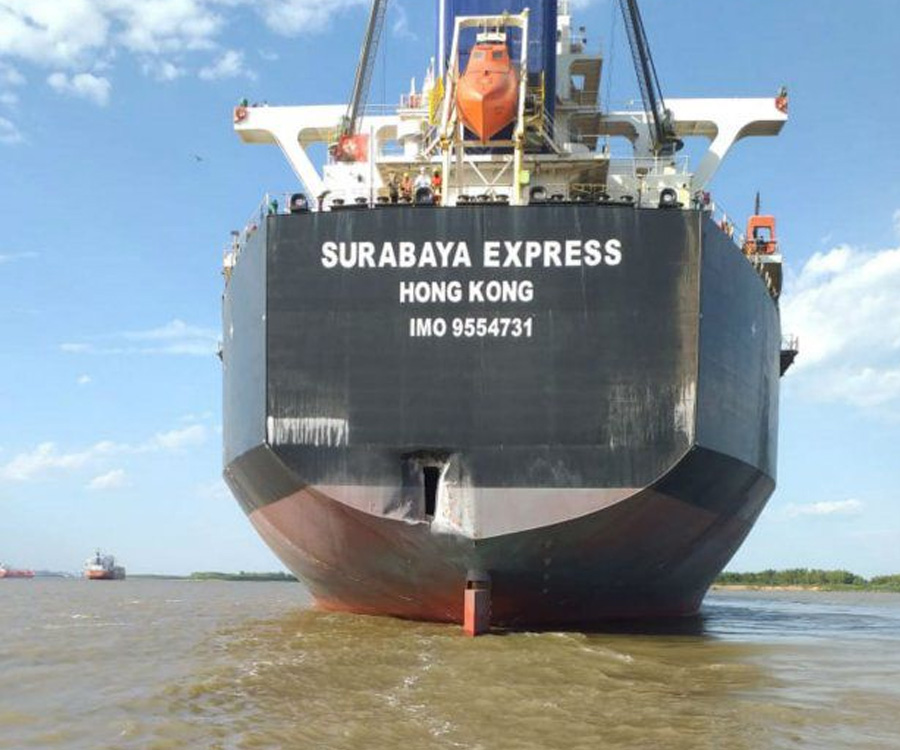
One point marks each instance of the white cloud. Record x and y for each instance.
(214, 490)
(9, 133)
(822, 265)
(84, 380)
(845, 309)
(53, 32)
(827, 508)
(71, 36)
(165, 26)
(175, 338)
(289, 17)
(174, 330)
(47, 458)
(75, 348)
(166, 37)
(400, 27)
(177, 440)
(112, 480)
(9, 99)
(229, 65)
(9, 76)
(72, 33)
(83, 86)
(162, 70)
(867, 387)
(194, 418)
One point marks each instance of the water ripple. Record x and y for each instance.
(233, 666)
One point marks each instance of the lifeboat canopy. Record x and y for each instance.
(487, 95)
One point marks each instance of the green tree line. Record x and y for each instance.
(242, 576)
(811, 577)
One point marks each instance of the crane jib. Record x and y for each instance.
(364, 69)
(661, 129)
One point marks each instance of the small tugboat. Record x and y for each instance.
(488, 92)
(103, 568)
(13, 573)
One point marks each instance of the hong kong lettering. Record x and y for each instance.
(477, 291)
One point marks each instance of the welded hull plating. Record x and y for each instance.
(579, 400)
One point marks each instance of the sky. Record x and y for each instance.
(120, 179)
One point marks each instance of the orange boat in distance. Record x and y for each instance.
(487, 95)
(13, 573)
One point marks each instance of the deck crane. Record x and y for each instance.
(349, 146)
(664, 141)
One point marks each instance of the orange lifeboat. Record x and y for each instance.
(487, 95)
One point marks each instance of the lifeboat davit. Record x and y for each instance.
(487, 95)
(760, 238)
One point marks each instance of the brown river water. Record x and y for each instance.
(176, 664)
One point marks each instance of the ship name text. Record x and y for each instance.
(517, 322)
(494, 254)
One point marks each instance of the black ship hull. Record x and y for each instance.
(580, 401)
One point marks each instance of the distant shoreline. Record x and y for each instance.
(243, 576)
(756, 587)
(814, 588)
(805, 579)
(769, 580)
(218, 576)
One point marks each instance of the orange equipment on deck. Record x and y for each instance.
(487, 95)
(761, 239)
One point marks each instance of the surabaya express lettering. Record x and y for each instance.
(507, 254)
(495, 254)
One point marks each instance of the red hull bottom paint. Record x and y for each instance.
(102, 576)
(650, 555)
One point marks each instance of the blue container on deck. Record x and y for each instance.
(541, 36)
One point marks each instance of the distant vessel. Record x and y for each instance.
(103, 568)
(13, 573)
(540, 390)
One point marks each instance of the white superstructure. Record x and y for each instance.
(566, 157)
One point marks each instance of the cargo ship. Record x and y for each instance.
(502, 359)
(101, 567)
(14, 572)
